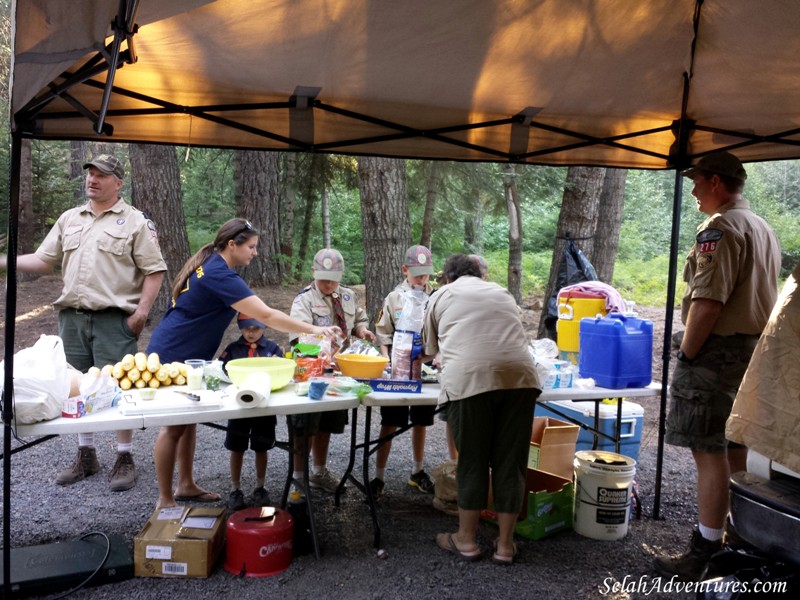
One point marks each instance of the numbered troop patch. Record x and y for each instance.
(706, 241)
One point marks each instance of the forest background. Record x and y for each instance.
(372, 208)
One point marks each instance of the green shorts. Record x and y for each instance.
(95, 338)
(492, 432)
(702, 394)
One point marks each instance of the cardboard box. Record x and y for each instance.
(180, 542)
(547, 509)
(553, 446)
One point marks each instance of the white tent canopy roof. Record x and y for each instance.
(540, 81)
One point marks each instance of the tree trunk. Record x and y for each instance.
(385, 226)
(609, 221)
(514, 234)
(473, 222)
(308, 215)
(578, 218)
(288, 199)
(156, 191)
(25, 236)
(433, 189)
(255, 176)
(78, 156)
(326, 216)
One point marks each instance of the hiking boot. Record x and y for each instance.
(421, 481)
(376, 487)
(85, 465)
(325, 481)
(260, 497)
(691, 565)
(123, 475)
(236, 501)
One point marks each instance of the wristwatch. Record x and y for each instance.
(683, 358)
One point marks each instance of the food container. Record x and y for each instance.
(194, 373)
(280, 370)
(147, 393)
(362, 366)
(317, 387)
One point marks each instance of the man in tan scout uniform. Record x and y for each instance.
(731, 279)
(112, 269)
(326, 303)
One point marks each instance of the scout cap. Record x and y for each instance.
(328, 265)
(418, 260)
(244, 321)
(110, 165)
(721, 163)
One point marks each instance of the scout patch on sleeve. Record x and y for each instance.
(704, 261)
(707, 241)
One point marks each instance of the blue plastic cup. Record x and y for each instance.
(317, 388)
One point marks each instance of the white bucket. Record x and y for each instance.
(602, 494)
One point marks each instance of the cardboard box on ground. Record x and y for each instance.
(549, 490)
(180, 542)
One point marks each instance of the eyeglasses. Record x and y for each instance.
(248, 226)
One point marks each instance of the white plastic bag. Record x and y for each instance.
(41, 380)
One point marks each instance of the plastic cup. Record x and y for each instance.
(194, 373)
(147, 393)
(317, 388)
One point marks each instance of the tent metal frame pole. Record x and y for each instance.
(8, 376)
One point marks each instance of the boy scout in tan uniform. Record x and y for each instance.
(731, 279)
(417, 268)
(326, 303)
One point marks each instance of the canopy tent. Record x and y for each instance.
(651, 84)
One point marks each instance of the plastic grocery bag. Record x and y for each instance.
(573, 268)
(407, 342)
(41, 380)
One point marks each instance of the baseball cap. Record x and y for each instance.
(418, 260)
(245, 321)
(110, 165)
(328, 265)
(721, 163)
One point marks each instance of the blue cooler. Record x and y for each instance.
(583, 412)
(616, 351)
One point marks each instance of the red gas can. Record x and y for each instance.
(259, 542)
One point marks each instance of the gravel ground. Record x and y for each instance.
(565, 565)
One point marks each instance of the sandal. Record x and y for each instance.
(503, 559)
(446, 542)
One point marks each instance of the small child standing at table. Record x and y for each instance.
(417, 269)
(259, 431)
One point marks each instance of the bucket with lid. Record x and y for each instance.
(572, 307)
(602, 494)
(259, 542)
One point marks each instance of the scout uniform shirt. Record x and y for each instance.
(390, 313)
(310, 306)
(735, 260)
(105, 258)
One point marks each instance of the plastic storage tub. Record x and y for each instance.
(617, 351)
(583, 412)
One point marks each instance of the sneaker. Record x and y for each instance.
(296, 495)
(691, 565)
(325, 481)
(85, 465)
(123, 475)
(421, 481)
(376, 487)
(260, 497)
(236, 501)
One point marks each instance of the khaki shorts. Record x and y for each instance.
(702, 394)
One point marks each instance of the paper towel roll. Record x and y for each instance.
(254, 391)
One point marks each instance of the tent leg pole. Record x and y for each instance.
(8, 378)
(666, 354)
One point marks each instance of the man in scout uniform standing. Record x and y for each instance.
(325, 303)
(112, 269)
(731, 278)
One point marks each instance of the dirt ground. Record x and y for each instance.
(565, 565)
